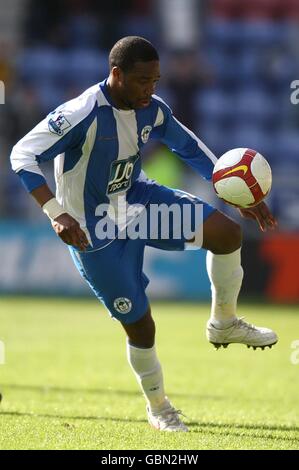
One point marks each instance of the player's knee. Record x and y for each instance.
(232, 239)
(143, 337)
(229, 239)
(142, 333)
(238, 236)
(221, 234)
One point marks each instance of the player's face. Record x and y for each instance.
(137, 86)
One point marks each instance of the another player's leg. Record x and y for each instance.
(142, 357)
(222, 238)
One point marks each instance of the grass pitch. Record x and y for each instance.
(66, 383)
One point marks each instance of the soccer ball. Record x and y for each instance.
(242, 177)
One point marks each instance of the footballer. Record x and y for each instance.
(96, 140)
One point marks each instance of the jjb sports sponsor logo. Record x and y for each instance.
(120, 178)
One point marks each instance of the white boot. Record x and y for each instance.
(241, 332)
(166, 420)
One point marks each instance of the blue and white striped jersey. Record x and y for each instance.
(96, 150)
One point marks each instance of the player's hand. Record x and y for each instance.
(68, 229)
(262, 215)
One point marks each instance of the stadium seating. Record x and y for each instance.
(250, 48)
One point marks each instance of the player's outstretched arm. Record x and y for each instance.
(64, 225)
(262, 215)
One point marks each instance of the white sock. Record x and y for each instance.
(226, 274)
(148, 372)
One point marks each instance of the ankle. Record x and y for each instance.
(223, 322)
(158, 407)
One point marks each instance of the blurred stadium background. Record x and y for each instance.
(227, 70)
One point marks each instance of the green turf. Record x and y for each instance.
(66, 383)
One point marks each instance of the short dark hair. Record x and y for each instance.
(129, 50)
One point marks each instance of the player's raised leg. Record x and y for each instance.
(222, 238)
(142, 357)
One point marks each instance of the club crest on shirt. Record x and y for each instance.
(145, 133)
(58, 124)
